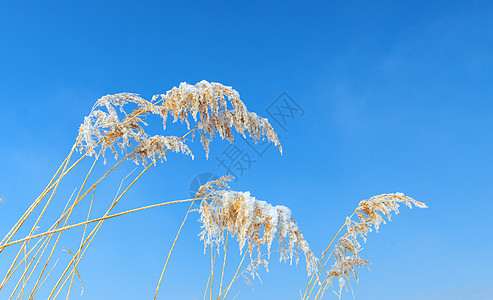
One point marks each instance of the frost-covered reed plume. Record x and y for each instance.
(253, 222)
(370, 214)
(206, 103)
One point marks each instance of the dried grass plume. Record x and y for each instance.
(253, 222)
(213, 108)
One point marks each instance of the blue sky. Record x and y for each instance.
(396, 98)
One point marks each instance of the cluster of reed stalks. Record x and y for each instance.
(207, 109)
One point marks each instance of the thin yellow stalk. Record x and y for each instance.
(32, 230)
(70, 263)
(30, 210)
(89, 238)
(53, 178)
(49, 256)
(89, 189)
(68, 213)
(44, 194)
(172, 247)
(48, 275)
(103, 218)
(107, 212)
(49, 201)
(23, 278)
(25, 270)
(207, 285)
(22, 261)
(212, 270)
(82, 240)
(74, 270)
(100, 222)
(305, 297)
(42, 253)
(93, 233)
(224, 263)
(321, 270)
(44, 246)
(117, 164)
(21, 221)
(32, 260)
(234, 278)
(71, 209)
(26, 256)
(236, 295)
(12, 271)
(323, 288)
(139, 113)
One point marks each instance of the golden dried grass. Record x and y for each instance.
(207, 109)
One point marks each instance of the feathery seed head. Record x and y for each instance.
(254, 222)
(206, 103)
(370, 213)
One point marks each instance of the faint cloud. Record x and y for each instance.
(350, 107)
(467, 292)
(455, 42)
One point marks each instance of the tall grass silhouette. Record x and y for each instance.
(208, 110)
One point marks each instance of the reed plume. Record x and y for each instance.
(370, 214)
(243, 216)
(204, 102)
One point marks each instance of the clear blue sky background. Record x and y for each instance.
(397, 98)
